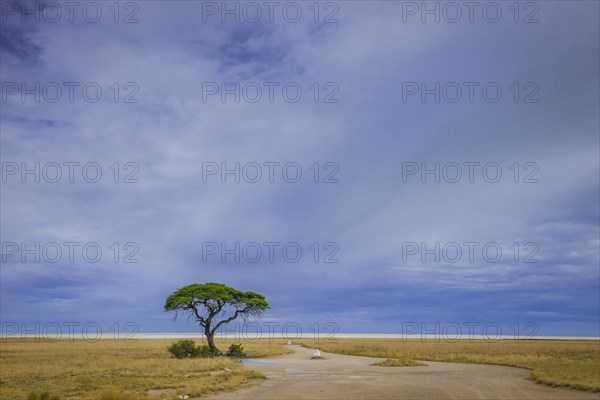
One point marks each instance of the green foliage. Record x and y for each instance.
(186, 348)
(205, 351)
(236, 350)
(214, 297)
(35, 395)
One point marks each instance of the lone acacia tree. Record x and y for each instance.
(209, 301)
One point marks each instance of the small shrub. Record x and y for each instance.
(186, 348)
(183, 349)
(236, 350)
(35, 395)
(204, 351)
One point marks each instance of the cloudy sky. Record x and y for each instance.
(359, 163)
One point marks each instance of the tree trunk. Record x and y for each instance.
(210, 337)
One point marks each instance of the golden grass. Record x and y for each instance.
(123, 370)
(566, 363)
(398, 362)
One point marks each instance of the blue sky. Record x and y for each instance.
(366, 213)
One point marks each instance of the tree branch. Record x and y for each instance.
(237, 313)
(212, 314)
(199, 318)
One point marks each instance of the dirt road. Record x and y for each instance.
(296, 376)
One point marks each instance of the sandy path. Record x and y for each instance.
(296, 376)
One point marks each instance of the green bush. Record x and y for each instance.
(236, 350)
(186, 348)
(204, 351)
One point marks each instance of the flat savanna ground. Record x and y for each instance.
(143, 369)
(118, 370)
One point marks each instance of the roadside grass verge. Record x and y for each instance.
(398, 362)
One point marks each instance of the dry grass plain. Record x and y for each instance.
(560, 363)
(128, 370)
(117, 370)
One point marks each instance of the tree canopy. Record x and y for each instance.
(214, 304)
